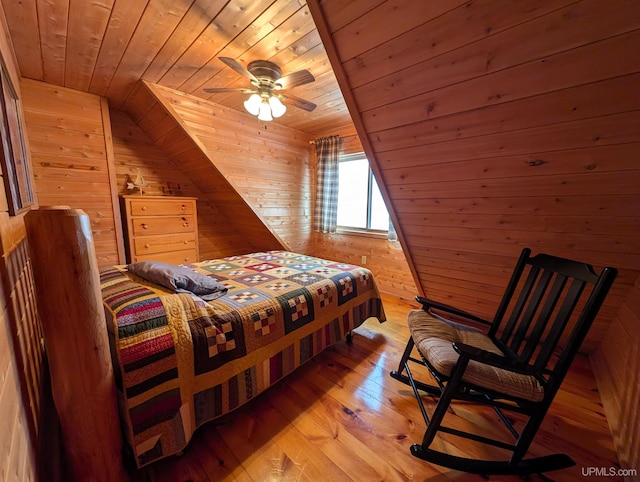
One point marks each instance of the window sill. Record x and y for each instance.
(367, 234)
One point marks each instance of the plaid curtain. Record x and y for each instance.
(392, 236)
(326, 213)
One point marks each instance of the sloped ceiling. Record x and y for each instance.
(211, 182)
(105, 47)
(494, 125)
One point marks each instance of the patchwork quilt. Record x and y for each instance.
(180, 361)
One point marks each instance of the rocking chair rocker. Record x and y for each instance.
(544, 316)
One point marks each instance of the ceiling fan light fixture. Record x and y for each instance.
(253, 104)
(277, 107)
(265, 111)
(269, 88)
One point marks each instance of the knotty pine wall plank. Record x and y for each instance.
(433, 37)
(21, 356)
(82, 43)
(351, 41)
(560, 33)
(499, 110)
(176, 140)
(591, 63)
(616, 364)
(385, 259)
(134, 150)
(155, 26)
(270, 168)
(606, 97)
(526, 110)
(70, 166)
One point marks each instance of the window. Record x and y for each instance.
(360, 203)
(13, 151)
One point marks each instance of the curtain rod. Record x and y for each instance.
(341, 137)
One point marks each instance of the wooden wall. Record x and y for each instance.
(72, 158)
(385, 259)
(616, 364)
(496, 125)
(155, 114)
(78, 156)
(267, 164)
(134, 151)
(21, 360)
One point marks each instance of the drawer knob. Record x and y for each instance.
(147, 245)
(144, 208)
(144, 226)
(183, 207)
(186, 242)
(185, 224)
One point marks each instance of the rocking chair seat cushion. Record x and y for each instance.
(434, 338)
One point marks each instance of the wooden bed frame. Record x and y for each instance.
(82, 380)
(72, 313)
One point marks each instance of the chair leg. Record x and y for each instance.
(444, 401)
(517, 465)
(405, 356)
(405, 378)
(526, 437)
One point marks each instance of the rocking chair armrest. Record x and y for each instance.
(428, 304)
(489, 358)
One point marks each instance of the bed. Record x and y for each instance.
(180, 361)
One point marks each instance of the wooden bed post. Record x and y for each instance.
(77, 346)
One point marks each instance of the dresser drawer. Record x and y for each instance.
(161, 207)
(159, 244)
(147, 226)
(186, 256)
(160, 228)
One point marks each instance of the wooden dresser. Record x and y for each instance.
(160, 228)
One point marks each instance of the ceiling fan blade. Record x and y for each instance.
(294, 79)
(223, 90)
(238, 67)
(297, 102)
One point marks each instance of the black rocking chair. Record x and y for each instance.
(518, 365)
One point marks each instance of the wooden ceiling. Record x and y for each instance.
(105, 47)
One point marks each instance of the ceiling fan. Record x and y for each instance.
(269, 91)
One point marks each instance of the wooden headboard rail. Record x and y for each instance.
(70, 306)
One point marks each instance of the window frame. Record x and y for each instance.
(14, 153)
(357, 156)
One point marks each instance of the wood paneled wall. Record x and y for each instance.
(155, 114)
(496, 125)
(21, 362)
(72, 157)
(258, 173)
(76, 156)
(385, 259)
(21, 359)
(133, 151)
(616, 364)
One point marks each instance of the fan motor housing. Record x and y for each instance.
(264, 70)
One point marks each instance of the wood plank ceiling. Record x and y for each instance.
(105, 46)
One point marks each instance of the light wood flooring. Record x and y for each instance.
(342, 417)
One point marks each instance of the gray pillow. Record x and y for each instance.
(178, 279)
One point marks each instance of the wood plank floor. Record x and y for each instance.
(342, 417)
